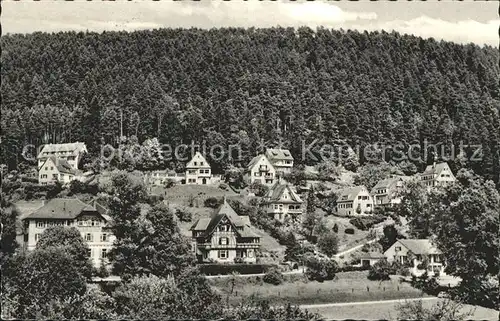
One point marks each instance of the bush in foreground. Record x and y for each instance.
(380, 271)
(320, 270)
(273, 276)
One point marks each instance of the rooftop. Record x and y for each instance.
(420, 246)
(278, 154)
(61, 208)
(349, 194)
(70, 148)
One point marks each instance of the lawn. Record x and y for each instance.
(348, 287)
(182, 194)
(388, 311)
(346, 241)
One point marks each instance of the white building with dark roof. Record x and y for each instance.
(281, 159)
(436, 175)
(421, 254)
(71, 152)
(90, 219)
(354, 201)
(260, 170)
(386, 192)
(56, 170)
(198, 170)
(225, 237)
(282, 202)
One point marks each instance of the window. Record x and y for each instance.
(201, 163)
(397, 248)
(276, 206)
(104, 253)
(256, 174)
(222, 254)
(104, 237)
(80, 223)
(37, 237)
(250, 254)
(89, 252)
(88, 237)
(223, 228)
(223, 241)
(195, 163)
(40, 224)
(46, 168)
(54, 176)
(51, 168)
(44, 175)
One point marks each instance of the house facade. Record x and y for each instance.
(226, 237)
(56, 170)
(282, 202)
(385, 193)
(260, 170)
(198, 170)
(436, 175)
(420, 254)
(281, 159)
(90, 220)
(71, 152)
(354, 201)
(370, 258)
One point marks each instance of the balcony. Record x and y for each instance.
(210, 246)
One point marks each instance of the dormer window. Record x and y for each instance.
(223, 228)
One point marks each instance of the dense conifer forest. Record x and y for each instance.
(242, 86)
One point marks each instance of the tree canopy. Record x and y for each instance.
(248, 86)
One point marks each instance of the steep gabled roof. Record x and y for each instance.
(349, 194)
(420, 246)
(225, 210)
(275, 193)
(69, 148)
(278, 154)
(435, 168)
(61, 164)
(198, 157)
(62, 208)
(387, 183)
(256, 159)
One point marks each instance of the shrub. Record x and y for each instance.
(273, 276)
(155, 199)
(328, 243)
(238, 260)
(168, 183)
(336, 228)
(212, 202)
(258, 188)
(365, 223)
(320, 270)
(349, 230)
(184, 215)
(380, 271)
(426, 284)
(223, 186)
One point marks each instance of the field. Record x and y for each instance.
(348, 287)
(388, 311)
(183, 194)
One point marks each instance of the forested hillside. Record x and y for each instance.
(241, 86)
